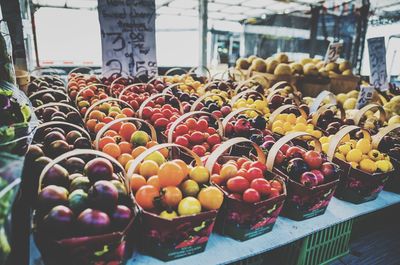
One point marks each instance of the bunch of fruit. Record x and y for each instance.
(58, 112)
(284, 97)
(392, 107)
(172, 188)
(105, 112)
(294, 121)
(136, 94)
(87, 199)
(334, 68)
(46, 82)
(348, 100)
(160, 111)
(88, 96)
(116, 79)
(277, 65)
(77, 82)
(216, 104)
(361, 155)
(199, 135)
(328, 120)
(252, 101)
(48, 96)
(188, 84)
(245, 180)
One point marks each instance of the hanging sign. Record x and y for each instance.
(365, 96)
(128, 36)
(377, 63)
(333, 52)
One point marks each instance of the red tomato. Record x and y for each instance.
(313, 159)
(284, 148)
(254, 173)
(237, 184)
(196, 137)
(251, 196)
(273, 193)
(182, 141)
(182, 129)
(261, 185)
(199, 150)
(260, 165)
(276, 185)
(202, 125)
(213, 139)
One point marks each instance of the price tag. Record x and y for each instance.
(365, 96)
(128, 36)
(333, 52)
(377, 63)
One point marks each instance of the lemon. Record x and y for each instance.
(260, 104)
(340, 156)
(375, 155)
(189, 206)
(325, 147)
(383, 165)
(287, 126)
(277, 123)
(241, 104)
(282, 116)
(344, 149)
(309, 131)
(354, 164)
(324, 140)
(354, 155)
(368, 166)
(364, 145)
(278, 130)
(250, 101)
(352, 143)
(316, 134)
(310, 126)
(300, 127)
(253, 114)
(302, 120)
(291, 118)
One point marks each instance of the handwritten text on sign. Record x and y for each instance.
(128, 36)
(333, 52)
(377, 63)
(365, 96)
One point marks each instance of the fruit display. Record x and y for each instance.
(46, 82)
(105, 111)
(178, 209)
(330, 118)
(310, 178)
(370, 117)
(282, 93)
(79, 203)
(189, 82)
(216, 103)
(160, 110)
(58, 112)
(365, 168)
(392, 107)
(253, 196)
(78, 81)
(199, 131)
(337, 68)
(289, 118)
(253, 100)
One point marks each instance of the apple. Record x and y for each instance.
(313, 159)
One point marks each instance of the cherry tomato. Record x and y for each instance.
(254, 173)
(261, 185)
(276, 185)
(251, 196)
(313, 159)
(238, 184)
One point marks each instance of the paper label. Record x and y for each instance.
(365, 96)
(128, 36)
(377, 63)
(333, 52)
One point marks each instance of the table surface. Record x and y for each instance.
(223, 250)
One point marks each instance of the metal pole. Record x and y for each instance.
(35, 36)
(203, 30)
(314, 28)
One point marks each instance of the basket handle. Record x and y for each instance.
(213, 157)
(81, 152)
(256, 78)
(321, 96)
(128, 87)
(168, 88)
(363, 110)
(243, 93)
(185, 116)
(377, 138)
(284, 140)
(175, 69)
(115, 82)
(201, 98)
(108, 126)
(281, 85)
(320, 111)
(75, 70)
(86, 88)
(281, 109)
(152, 149)
(236, 112)
(296, 98)
(55, 123)
(51, 91)
(153, 97)
(97, 103)
(335, 141)
(193, 69)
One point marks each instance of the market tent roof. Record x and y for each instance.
(237, 10)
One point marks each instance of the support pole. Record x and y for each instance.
(359, 43)
(35, 36)
(203, 30)
(315, 10)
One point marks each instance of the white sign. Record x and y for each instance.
(128, 36)
(377, 63)
(333, 52)
(365, 96)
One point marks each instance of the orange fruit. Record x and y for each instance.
(113, 114)
(116, 126)
(171, 196)
(191, 123)
(97, 115)
(170, 174)
(120, 116)
(217, 179)
(136, 181)
(123, 159)
(128, 112)
(146, 195)
(154, 181)
(125, 147)
(111, 133)
(151, 144)
(164, 152)
(112, 149)
(199, 174)
(148, 168)
(90, 124)
(184, 167)
(107, 119)
(105, 140)
(98, 126)
(138, 150)
(126, 130)
(210, 198)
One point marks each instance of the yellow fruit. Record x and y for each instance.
(317, 134)
(291, 118)
(199, 174)
(300, 127)
(148, 168)
(352, 143)
(168, 215)
(211, 198)
(383, 165)
(228, 171)
(344, 149)
(364, 145)
(287, 126)
(368, 166)
(156, 157)
(278, 130)
(354, 155)
(277, 123)
(340, 156)
(302, 120)
(324, 139)
(325, 147)
(190, 187)
(341, 98)
(250, 101)
(310, 131)
(282, 116)
(310, 126)
(375, 155)
(350, 103)
(260, 104)
(346, 138)
(189, 206)
(354, 164)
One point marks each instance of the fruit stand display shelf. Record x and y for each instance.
(224, 250)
